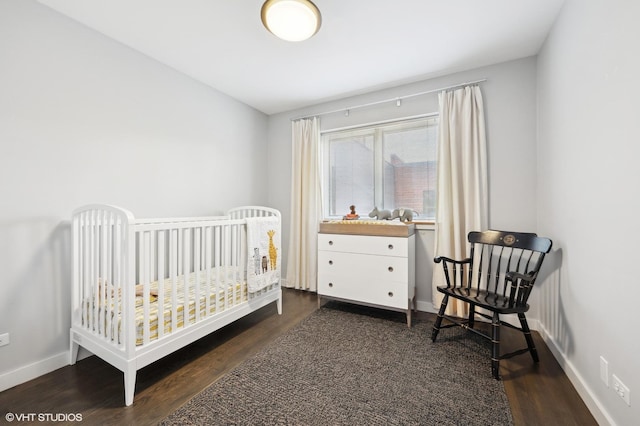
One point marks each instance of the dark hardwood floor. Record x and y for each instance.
(538, 394)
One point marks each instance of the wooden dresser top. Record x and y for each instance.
(368, 227)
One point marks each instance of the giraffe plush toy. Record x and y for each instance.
(273, 252)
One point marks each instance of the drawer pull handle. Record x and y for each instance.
(331, 262)
(330, 242)
(390, 268)
(390, 246)
(330, 284)
(390, 294)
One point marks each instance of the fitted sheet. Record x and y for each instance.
(228, 294)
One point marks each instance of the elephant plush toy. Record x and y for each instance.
(405, 215)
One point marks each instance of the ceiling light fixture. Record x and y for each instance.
(291, 20)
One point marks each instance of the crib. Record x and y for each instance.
(144, 288)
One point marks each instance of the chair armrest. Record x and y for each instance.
(455, 278)
(447, 259)
(520, 286)
(514, 276)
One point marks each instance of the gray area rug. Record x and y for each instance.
(352, 365)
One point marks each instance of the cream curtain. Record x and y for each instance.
(462, 203)
(306, 207)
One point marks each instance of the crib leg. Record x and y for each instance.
(129, 385)
(74, 347)
(279, 304)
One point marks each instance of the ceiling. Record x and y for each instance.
(363, 45)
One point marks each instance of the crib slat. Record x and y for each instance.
(118, 273)
(144, 252)
(98, 270)
(218, 268)
(185, 274)
(102, 314)
(173, 273)
(160, 274)
(237, 256)
(207, 265)
(82, 272)
(225, 266)
(108, 276)
(197, 236)
(95, 323)
(89, 289)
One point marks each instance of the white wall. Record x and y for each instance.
(84, 119)
(510, 106)
(589, 200)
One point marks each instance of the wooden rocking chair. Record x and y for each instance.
(497, 277)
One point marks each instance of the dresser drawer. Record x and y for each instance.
(387, 293)
(364, 244)
(363, 266)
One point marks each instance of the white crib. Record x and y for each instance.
(144, 288)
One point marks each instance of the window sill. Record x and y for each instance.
(424, 225)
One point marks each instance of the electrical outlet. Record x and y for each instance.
(604, 371)
(4, 339)
(622, 391)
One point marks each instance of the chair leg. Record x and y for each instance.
(472, 315)
(436, 326)
(527, 335)
(495, 340)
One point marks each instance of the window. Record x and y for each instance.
(391, 165)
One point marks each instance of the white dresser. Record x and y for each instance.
(368, 264)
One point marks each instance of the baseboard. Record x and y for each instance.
(425, 307)
(32, 371)
(596, 408)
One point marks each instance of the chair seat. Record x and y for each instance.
(484, 299)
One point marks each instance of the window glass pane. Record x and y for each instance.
(388, 165)
(351, 174)
(410, 168)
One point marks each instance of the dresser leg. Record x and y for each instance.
(409, 316)
(318, 301)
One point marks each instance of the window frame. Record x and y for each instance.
(377, 129)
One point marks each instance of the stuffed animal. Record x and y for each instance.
(380, 214)
(404, 214)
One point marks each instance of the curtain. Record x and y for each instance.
(462, 199)
(306, 206)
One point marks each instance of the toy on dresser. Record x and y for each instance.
(352, 215)
(404, 214)
(380, 214)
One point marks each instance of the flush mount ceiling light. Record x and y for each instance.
(291, 20)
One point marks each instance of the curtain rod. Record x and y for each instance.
(396, 99)
(376, 123)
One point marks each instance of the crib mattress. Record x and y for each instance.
(228, 295)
